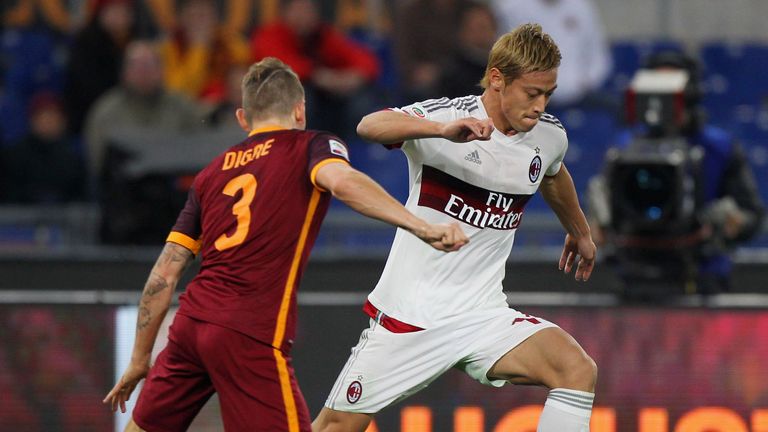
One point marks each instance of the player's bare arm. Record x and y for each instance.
(154, 304)
(388, 127)
(560, 193)
(367, 197)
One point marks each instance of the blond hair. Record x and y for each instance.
(270, 89)
(525, 49)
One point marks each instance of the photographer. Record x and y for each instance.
(723, 205)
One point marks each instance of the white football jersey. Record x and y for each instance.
(482, 185)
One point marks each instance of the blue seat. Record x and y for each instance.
(590, 134)
(31, 63)
(662, 45)
(727, 78)
(754, 64)
(721, 57)
(626, 60)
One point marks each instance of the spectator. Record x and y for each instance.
(139, 101)
(370, 17)
(477, 33)
(199, 53)
(95, 56)
(238, 14)
(128, 124)
(336, 72)
(223, 114)
(44, 167)
(51, 14)
(576, 27)
(424, 41)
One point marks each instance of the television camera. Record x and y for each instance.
(653, 186)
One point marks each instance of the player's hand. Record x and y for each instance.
(583, 248)
(443, 237)
(121, 392)
(467, 129)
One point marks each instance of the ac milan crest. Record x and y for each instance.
(534, 169)
(354, 391)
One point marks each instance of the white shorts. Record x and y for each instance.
(386, 367)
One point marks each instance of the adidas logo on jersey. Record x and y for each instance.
(474, 157)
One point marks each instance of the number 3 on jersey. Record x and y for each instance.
(242, 210)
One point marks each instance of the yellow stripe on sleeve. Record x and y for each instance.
(184, 240)
(321, 164)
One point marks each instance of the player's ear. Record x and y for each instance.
(495, 79)
(300, 115)
(242, 120)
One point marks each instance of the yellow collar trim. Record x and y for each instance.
(268, 128)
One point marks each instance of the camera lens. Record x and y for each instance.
(648, 190)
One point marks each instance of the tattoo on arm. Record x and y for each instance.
(155, 284)
(173, 258)
(174, 254)
(144, 318)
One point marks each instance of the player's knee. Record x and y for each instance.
(580, 372)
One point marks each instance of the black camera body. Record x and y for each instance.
(654, 196)
(654, 186)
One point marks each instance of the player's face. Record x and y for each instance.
(523, 100)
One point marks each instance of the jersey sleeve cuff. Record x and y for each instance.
(559, 168)
(184, 240)
(321, 164)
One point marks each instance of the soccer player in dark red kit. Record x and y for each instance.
(254, 213)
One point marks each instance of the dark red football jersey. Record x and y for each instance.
(254, 212)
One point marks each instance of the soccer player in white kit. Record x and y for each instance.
(476, 160)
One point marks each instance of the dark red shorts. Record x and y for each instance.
(255, 382)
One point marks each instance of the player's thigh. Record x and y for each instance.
(133, 427)
(550, 357)
(339, 421)
(386, 367)
(177, 386)
(255, 382)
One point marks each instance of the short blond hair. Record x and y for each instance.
(270, 89)
(523, 50)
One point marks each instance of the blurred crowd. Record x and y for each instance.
(99, 99)
(118, 103)
(75, 80)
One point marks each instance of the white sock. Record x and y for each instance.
(566, 411)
